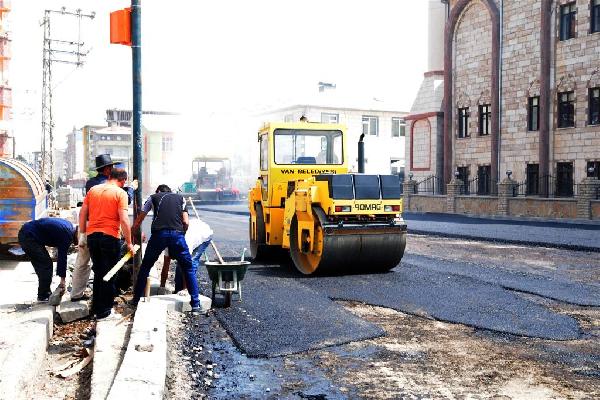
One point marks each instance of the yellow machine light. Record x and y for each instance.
(394, 208)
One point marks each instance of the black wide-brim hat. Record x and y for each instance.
(103, 160)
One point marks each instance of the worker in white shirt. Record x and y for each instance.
(197, 237)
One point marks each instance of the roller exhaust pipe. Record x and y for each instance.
(361, 154)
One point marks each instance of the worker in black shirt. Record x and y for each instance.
(169, 224)
(34, 236)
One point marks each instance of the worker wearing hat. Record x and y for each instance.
(104, 164)
(81, 272)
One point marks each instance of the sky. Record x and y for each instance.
(217, 60)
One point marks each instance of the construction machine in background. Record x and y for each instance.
(211, 180)
(305, 200)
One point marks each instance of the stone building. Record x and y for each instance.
(516, 90)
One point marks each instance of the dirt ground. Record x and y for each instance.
(65, 347)
(418, 357)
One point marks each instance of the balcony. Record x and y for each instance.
(5, 96)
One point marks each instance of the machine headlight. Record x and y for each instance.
(394, 208)
(343, 209)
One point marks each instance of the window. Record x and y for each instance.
(396, 168)
(484, 119)
(370, 125)
(595, 173)
(328, 118)
(568, 20)
(463, 175)
(533, 113)
(564, 179)
(264, 153)
(298, 146)
(167, 144)
(566, 110)
(463, 122)
(484, 177)
(594, 106)
(398, 127)
(595, 17)
(532, 171)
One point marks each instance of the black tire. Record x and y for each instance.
(258, 245)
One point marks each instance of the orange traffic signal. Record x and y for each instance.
(120, 27)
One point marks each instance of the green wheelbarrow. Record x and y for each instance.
(226, 278)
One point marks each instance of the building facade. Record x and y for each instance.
(517, 93)
(158, 132)
(384, 130)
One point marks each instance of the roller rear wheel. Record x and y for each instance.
(336, 253)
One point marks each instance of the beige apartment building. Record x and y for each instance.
(513, 89)
(383, 126)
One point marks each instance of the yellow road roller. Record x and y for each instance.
(305, 200)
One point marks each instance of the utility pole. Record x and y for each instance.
(136, 57)
(63, 52)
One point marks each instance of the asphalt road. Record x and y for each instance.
(574, 235)
(285, 312)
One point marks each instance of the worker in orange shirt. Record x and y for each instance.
(103, 213)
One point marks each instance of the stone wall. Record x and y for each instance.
(596, 209)
(421, 141)
(476, 205)
(543, 208)
(424, 203)
(520, 79)
(577, 68)
(472, 84)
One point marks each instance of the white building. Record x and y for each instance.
(383, 126)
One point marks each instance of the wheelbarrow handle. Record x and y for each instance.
(217, 252)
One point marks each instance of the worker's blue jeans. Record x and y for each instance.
(178, 250)
(196, 254)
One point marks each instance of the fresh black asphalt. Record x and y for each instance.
(285, 312)
(552, 288)
(280, 316)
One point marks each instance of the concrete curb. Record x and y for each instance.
(24, 350)
(143, 371)
(111, 343)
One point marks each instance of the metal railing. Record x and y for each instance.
(546, 186)
(432, 184)
(480, 187)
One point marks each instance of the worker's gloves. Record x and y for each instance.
(82, 240)
(134, 184)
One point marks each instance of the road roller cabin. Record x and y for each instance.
(305, 200)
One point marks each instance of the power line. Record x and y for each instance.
(62, 52)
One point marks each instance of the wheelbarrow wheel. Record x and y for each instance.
(227, 299)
